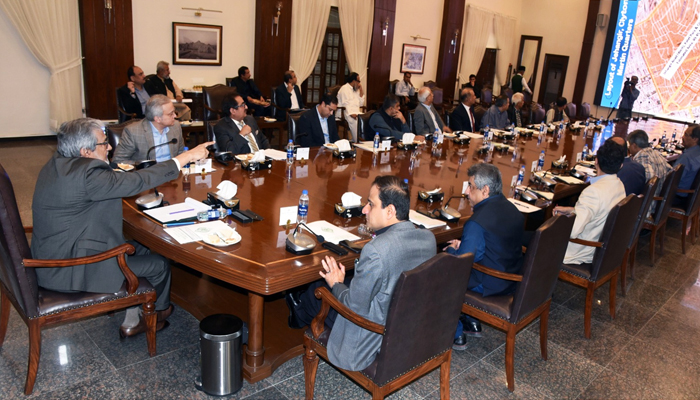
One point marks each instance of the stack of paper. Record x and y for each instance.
(420, 219)
(175, 212)
(330, 232)
(524, 207)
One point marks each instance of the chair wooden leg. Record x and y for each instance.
(4, 314)
(684, 229)
(613, 292)
(633, 257)
(149, 314)
(662, 233)
(623, 272)
(310, 367)
(445, 377)
(34, 355)
(652, 244)
(510, 354)
(544, 320)
(588, 311)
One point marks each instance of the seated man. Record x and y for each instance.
(251, 94)
(632, 173)
(655, 165)
(352, 97)
(406, 91)
(497, 115)
(77, 211)
(164, 85)
(515, 115)
(426, 118)
(494, 234)
(158, 137)
(136, 92)
(238, 132)
(288, 96)
(691, 160)
(388, 121)
(399, 246)
(317, 127)
(595, 202)
(472, 84)
(557, 111)
(462, 118)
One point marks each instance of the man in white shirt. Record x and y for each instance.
(352, 97)
(406, 91)
(518, 83)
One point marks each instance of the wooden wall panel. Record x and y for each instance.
(448, 55)
(377, 82)
(586, 49)
(271, 50)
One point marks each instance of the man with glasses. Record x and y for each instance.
(249, 90)
(238, 133)
(317, 127)
(159, 132)
(352, 97)
(426, 118)
(77, 211)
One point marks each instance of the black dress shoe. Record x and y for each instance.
(292, 303)
(460, 343)
(140, 328)
(164, 314)
(472, 328)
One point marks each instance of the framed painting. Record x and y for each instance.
(196, 44)
(413, 58)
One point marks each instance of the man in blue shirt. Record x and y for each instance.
(497, 115)
(494, 234)
(691, 159)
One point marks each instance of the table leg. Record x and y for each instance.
(255, 352)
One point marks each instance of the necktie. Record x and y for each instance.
(517, 118)
(253, 144)
(471, 118)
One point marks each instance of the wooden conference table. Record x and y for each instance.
(260, 268)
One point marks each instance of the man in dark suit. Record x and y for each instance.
(317, 126)
(158, 128)
(77, 210)
(426, 118)
(136, 92)
(462, 118)
(515, 115)
(238, 133)
(246, 87)
(288, 95)
(388, 121)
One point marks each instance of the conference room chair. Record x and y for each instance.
(292, 121)
(409, 120)
(392, 86)
(607, 259)
(585, 111)
(571, 111)
(533, 294)
(39, 307)
(486, 97)
(656, 223)
(509, 92)
(537, 113)
(114, 133)
(479, 111)
(527, 97)
(417, 336)
(281, 113)
(689, 213)
(213, 96)
(564, 195)
(364, 132)
(647, 198)
(122, 114)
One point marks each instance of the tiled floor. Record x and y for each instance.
(649, 351)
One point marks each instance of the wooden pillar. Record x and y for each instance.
(271, 44)
(377, 85)
(586, 49)
(450, 44)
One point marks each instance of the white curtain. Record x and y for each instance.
(504, 30)
(477, 28)
(51, 31)
(309, 22)
(356, 17)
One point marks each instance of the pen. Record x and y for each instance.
(177, 224)
(182, 211)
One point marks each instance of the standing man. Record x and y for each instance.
(691, 160)
(494, 234)
(557, 111)
(249, 91)
(397, 247)
(426, 118)
(462, 118)
(165, 86)
(388, 121)
(518, 82)
(317, 127)
(288, 96)
(497, 115)
(406, 91)
(77, 210)
(146, 140)
(514, 110)
(136, 92)
(352, 97)
(238, 132)
(628, 96)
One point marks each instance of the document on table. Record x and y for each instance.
(420, 219)
(277, 155)
(366, 146)
(568, 179)
(188, 209)
(195, 232)
(330, 232)
(524, 207)
(472, 135)
(546, 195)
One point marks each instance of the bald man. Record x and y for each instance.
(632, 173)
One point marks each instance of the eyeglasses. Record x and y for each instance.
(239, 106)
(105, 143)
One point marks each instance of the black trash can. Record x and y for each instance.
(220, 347)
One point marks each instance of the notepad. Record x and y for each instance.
(188, 209)
(420, 219)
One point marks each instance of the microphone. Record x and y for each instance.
(448, 213)
(300, 243)
(173, 141)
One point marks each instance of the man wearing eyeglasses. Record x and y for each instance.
(159, 128)
(238, 133)
(77, 211)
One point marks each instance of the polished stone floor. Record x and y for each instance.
(650, 350)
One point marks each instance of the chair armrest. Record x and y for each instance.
(328, 301)
(524, 249)
(658, 198)
(497, 274)
(121, 110)
(206, 107)
(28, 229)
(586, 242)
(119, 252)
(685, 191)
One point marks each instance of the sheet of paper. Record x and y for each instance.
(302, 153)
(330, 232)
(277, 155)
(546, 195)
(386, 145)
(188, 209)
(586, 170)
(195, 232)
(420, 219)
(366, 146)
(524, 207)
(288, 214)
(569, 179)
(196, 168)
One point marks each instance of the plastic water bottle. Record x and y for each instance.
(376, 141)
(539, 138)
(440, 135)
(521, 176)
(436, 138)
(515, 154)
(540, 162)
(303, 209)
(213, 214)
(542, 129)
(290, 152)
(663, 139)
(584, 153)
(673, 137)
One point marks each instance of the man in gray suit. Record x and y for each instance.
(398, 246)
(158, 129)
(426, 118)
(77, 210)
(238, 133)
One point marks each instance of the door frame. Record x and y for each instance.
(548, 60)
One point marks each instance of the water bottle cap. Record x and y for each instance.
(291, 141)
(186, 148)
(304, 191)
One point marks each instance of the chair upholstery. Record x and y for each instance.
(608, 256)
(509, 92)
(479, 111)
(571, 110)
(292, 122)
(122, 115)
(431, 293)
(430, 84)
(437, 97)
(486, 96)
(533, 294)
(39, 307)
(657, 222)
(364, 132)
(392, 86)
(585, 111)
(690, 212)
(538, 115)
(647, 198)
(409, 120)
(213, 96)
(564, 195)
(114, 133)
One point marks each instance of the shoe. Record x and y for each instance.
(292, 300)
(471, 328)
(140, 328)
(460, 343)
(164, 314)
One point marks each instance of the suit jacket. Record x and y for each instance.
(284, 100)
(137, 138)
(309, 131)
(228, 136)
(400, 248)
(131, 104)
(459, 119)
(423, 123)
(592, 209)
(77, 210)
(378, 124)
(512, 116)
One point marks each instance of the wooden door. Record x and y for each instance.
(108, 51)
(487, 70)
(553, 78)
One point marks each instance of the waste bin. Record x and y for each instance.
(220, 347)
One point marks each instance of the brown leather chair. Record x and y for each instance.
(657, 222)
(533, 293)
(690, 212)
(409, 120)
(430, 294)
(39, 307)
(114, 133)
(607, 258)
(292, 122)
(122, 114)
(364, 132)
(647, 198)
(213, 96)
(392, 86)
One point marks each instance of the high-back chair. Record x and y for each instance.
(657, 222)
(571, 110)
(292, 122)
(585, 111)
(419, 330)
(533, 293)
(610, 250)
(114, 134)
(538, 114)
(689, 212)
(39, 307)
(364, 132)
(122, 115)
(564, 194)
(213, 96)
(486, 97)
(647, 198)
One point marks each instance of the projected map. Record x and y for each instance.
(665, 55)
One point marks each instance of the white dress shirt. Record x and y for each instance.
(350, 99)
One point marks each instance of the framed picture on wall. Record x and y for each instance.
(196, 44)
(413, 58)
